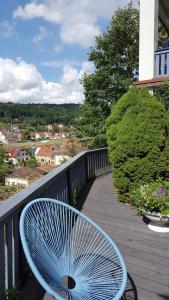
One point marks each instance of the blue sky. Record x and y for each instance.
(44, 46)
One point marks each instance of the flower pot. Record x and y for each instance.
(156, 218)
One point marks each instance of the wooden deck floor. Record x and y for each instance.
(146, 253)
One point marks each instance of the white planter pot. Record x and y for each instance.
(157, 218)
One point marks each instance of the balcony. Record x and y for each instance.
(79, 182)
(162, 63)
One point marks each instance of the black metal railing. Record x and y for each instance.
(63, 183)
(162, 62)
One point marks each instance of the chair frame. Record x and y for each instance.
(33, 267)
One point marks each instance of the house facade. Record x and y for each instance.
(45, 154)
(3, 137)
(17, 154)
(23, 176)
(9, 136)
(153, 60)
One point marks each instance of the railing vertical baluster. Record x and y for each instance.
(157, 65)
(2, 262)
(168, 63)
(90, 162)
(9, 253)
(87, 167)
(16, 243)
(69, 186)
(162, 64)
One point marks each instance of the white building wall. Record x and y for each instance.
(149, 10)
(3, 138)
(16, 181)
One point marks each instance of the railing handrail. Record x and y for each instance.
(162, 51)
(21, 197)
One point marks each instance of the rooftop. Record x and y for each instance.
(46, 150)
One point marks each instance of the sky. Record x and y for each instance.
(44, 46)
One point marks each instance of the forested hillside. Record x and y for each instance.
(41, 114)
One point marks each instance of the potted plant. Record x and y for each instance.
(152, 201)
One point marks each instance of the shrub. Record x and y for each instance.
(162, 93)
(138, 140)
(152, 197)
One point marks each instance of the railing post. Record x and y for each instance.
(69, 187)
(9, 254)
(86, 167)
(2, 263)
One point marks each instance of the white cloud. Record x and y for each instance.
(21, 82)
(78, 19)
(7, 29)
(18, 75)
(41, 35)
(82, 34)
(33, 10)
(57, 64)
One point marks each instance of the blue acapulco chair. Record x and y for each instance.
(70, 255)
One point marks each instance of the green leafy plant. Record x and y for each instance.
(162, 93)
(138, 140)
(116, 61)
(12, 294)
(151, 197)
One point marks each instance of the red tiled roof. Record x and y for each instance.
(12, 153)
(47, 150)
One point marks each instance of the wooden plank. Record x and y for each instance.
(146, 253)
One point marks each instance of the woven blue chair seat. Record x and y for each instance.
(70, 255)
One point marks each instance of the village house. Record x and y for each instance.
(49, 127)
(50, 155)
(16, 137)
(36, 135)
(7, 136)
(61, 126)
(17, 154)
(3, 137)
(23, 176)
(15, 128)
(42, 135)
(59, 135)
(45, 154)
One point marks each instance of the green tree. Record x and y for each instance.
(32, 162)
(138, 139)
(162, 35)
(25, 134)
(162, 93)
(115, 58)
(5, 166)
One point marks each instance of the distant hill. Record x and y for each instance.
(41, 114)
